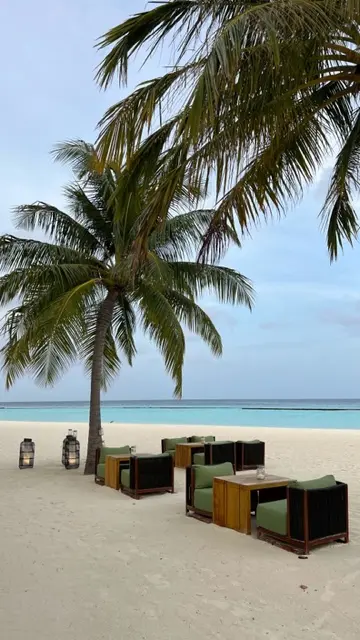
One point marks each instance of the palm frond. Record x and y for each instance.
(339, 217)
(195, 318)
(57, 225)
(163, 328)
(124, 324)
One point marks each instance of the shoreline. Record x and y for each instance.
(179, 426)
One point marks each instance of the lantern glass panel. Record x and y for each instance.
(72, 453)
(27, 454)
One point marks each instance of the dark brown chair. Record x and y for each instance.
(219, 452)
(148, 474)
(249, 454)
(306, 518)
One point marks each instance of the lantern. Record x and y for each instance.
(69, 435)
(27, 454)
(72, 453)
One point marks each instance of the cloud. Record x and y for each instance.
(309, 290)
(270, 326)
(348, 321)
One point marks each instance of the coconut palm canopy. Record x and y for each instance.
(79, 296)
(259, 94)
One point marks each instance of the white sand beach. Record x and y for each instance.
(85, 562)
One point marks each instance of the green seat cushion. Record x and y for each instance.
(199, 458)
(203, 499)
(250, 441)
(198, 439)
(223, 442)
(100, 470)
(204, 474)
(112, 451)
(125, 478)
(153, 455)
(170, 443)
(273, 516)
(318, 483)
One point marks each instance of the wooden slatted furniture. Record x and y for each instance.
(235, 497)
(184, 453)
(113, 467)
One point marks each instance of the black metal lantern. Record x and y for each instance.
(27, 454)
(72, 452)
(69, 435)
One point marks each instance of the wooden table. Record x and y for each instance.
(232, 499)
(112, 469)
(183, 453)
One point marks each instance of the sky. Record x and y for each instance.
(302, 339)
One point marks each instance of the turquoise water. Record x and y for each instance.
(318, 414)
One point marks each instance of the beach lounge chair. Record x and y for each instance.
(314, 512)
(148, 474)
(199, 487)
(249, 454)
(168, 445)
(218, 452)
(100, 460)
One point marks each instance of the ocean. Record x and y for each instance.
(314, 414)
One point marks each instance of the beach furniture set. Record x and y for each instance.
(295, 515)
(134, 474)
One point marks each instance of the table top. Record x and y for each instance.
(190, 444)
(252, 482)
(122, 456)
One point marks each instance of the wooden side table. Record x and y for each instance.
(112, 470)
(183, 453)
(232, 499)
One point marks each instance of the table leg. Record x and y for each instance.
(107, 472)
(244, 510)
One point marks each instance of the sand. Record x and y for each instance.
(81, 561)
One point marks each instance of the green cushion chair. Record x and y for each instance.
(250, 454)
(219, 452)
(314, 512)
(199, 458)
(100, 460)
(199, 486)
(168, 445)
(148, 473)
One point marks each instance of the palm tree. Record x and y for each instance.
(78, 295)
(260, 93)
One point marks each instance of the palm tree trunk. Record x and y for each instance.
(103, 322)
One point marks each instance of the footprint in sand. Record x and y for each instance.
(157, 581)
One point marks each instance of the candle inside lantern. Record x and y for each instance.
(26, 458)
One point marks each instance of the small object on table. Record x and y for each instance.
(113, 466)
(234, 498)
(184, 452)
(133, 450)
(260, 473)
(27, 454)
